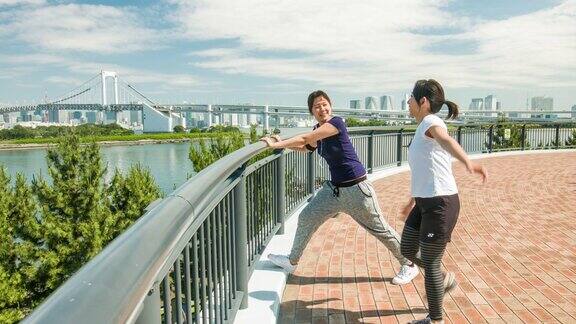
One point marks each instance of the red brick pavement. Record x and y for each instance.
(513, 252)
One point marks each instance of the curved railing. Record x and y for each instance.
(189, 258)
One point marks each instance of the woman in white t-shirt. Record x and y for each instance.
(433, 209)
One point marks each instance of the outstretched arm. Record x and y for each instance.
(302, 148)
(449, 144)
(298, 142)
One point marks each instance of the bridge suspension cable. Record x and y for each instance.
(74, 92)
(138, 92)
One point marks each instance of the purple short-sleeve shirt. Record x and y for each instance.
(340, 155)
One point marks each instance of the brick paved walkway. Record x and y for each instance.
(513, 252)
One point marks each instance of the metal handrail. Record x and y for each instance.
(136, 259)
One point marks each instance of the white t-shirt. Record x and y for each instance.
(431, 164)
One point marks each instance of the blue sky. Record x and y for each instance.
(276, 51)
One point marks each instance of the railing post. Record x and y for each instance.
(311, 173)
(150, 313)
(281, 191)
(399, 146)
(459, 135)
(523, 136)
(490, 138)
(557, 136)
(241, 231)
(371, 152)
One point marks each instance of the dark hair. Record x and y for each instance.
(433, 91)
(314, 95)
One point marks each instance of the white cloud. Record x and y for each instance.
(36, 59)
(67, 80)
(538, 48)
(377, 45)
(77, 71)
(20, 2)
(81, 28)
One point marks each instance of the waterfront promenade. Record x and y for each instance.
(513, 252)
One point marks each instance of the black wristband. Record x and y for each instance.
(310, 147)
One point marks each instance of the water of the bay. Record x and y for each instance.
(168, 163)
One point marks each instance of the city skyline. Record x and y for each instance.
(487, 102)
(218, 52)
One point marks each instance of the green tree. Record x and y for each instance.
(222, 129)
(20, 232)
(83, 130)
(179, 129)
(253, 134)
(205, 154)
(12, 290)
(129, 195)
(79, 214)
(51, 228)
(75, 221)
(514, 141)
(254, 137)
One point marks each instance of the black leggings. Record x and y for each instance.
(429, 259)
(427, 230)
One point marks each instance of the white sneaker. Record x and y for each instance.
(282, 261)
(449, 282)
(405, 275)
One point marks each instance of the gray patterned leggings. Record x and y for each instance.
(358, 201)
(430, 259)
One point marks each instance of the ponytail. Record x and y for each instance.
(432, 90)
(452, 109)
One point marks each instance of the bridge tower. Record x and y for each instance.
(104, 75)
(209, 116)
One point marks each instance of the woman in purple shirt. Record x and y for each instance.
(348, 191)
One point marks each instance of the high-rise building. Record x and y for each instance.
(490, 102)
(110, 117)
(253, 119)
(234, 120)
(135, 117)
(355, 104)
(25, 116)
(573, 111)
(64, 116)
(226, 119)
(7, 118)
(371, 103)
(53, 116)
(542, 103)
(386, 103)
(39, 112)
(91, 117)
(243, 120)
(405, 102)
(77, 115)
(498, 105)
(477, 104)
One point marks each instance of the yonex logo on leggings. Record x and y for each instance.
(430, 235)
